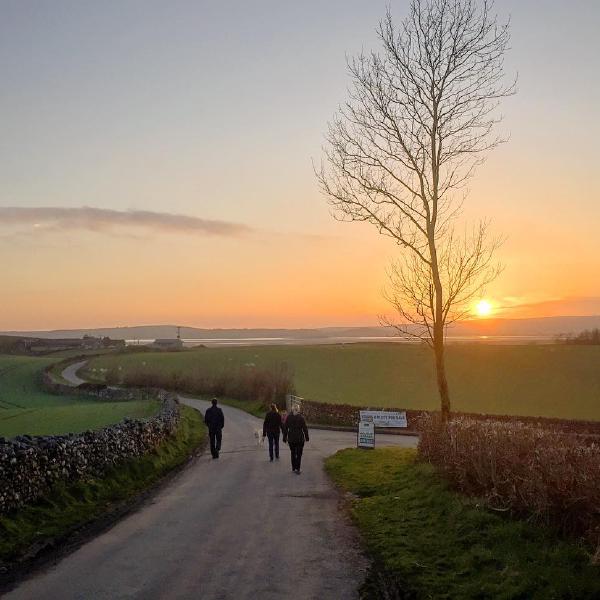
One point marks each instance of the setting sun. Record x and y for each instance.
(483, 308)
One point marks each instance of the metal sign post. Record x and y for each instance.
(366, 434)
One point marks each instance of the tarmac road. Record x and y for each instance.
(70, 373)
(233, 528)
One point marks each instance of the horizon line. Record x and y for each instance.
(271, 328)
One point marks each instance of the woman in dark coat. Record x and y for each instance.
(272, 429)
(295, 433)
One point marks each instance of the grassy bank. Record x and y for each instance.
(70, 507)
(25, 408)
(429, 542)
(547, 380)
(254, 408)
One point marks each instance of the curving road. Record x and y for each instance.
(233, 528)
(70, 373)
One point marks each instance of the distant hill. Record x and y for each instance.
(549, 326)
(542, 326)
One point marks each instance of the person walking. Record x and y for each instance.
(283, 414)
(295, 433)
(272, 429)
(215, 421)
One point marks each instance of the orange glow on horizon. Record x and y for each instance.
(219, 283)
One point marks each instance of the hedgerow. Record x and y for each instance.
(552, 477)
(247, 383)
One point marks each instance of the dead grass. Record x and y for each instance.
(552, 477)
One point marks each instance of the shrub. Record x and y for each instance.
(248, 383)
(588, 337)
(554, 477)
(113, 376)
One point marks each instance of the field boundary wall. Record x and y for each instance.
(97, 390)
(345, 415)
(31, 465)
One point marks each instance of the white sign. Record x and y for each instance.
(366, 434)
(384, 418)
(293, 401)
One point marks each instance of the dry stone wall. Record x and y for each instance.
(321, 413)
(97, 390)
(346, 415)
(31, 465)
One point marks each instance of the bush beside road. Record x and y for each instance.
(427, 541)
(552, 478)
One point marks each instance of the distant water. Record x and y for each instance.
(289, 341)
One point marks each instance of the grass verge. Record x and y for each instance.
(427, 541)
(256, 408)
(70, 508)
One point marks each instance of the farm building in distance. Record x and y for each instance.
(41, 346)
(169, 343)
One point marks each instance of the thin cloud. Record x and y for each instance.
(551, 307)
(86, 218)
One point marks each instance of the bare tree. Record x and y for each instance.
(419, 120)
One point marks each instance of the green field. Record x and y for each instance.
(25, 408)
(534, 380)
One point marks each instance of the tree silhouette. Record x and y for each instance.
(419, 119)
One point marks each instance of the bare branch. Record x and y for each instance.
(419, 120)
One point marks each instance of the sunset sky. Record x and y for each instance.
(156, 164)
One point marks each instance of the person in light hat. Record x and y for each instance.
(295, 433)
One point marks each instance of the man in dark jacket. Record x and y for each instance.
(295, 433)
(272, 429)
(215, 421)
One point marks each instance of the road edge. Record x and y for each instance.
(40, 557)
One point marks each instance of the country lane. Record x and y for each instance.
(236, 527)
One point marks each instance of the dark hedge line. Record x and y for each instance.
(253, 384)
(346, 415)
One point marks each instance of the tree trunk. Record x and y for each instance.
(440, 368)
(438, 322)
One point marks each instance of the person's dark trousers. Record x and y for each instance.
(296, 452)
(273, 444)
(215, 442)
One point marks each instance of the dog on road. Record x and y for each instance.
(259, 439)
